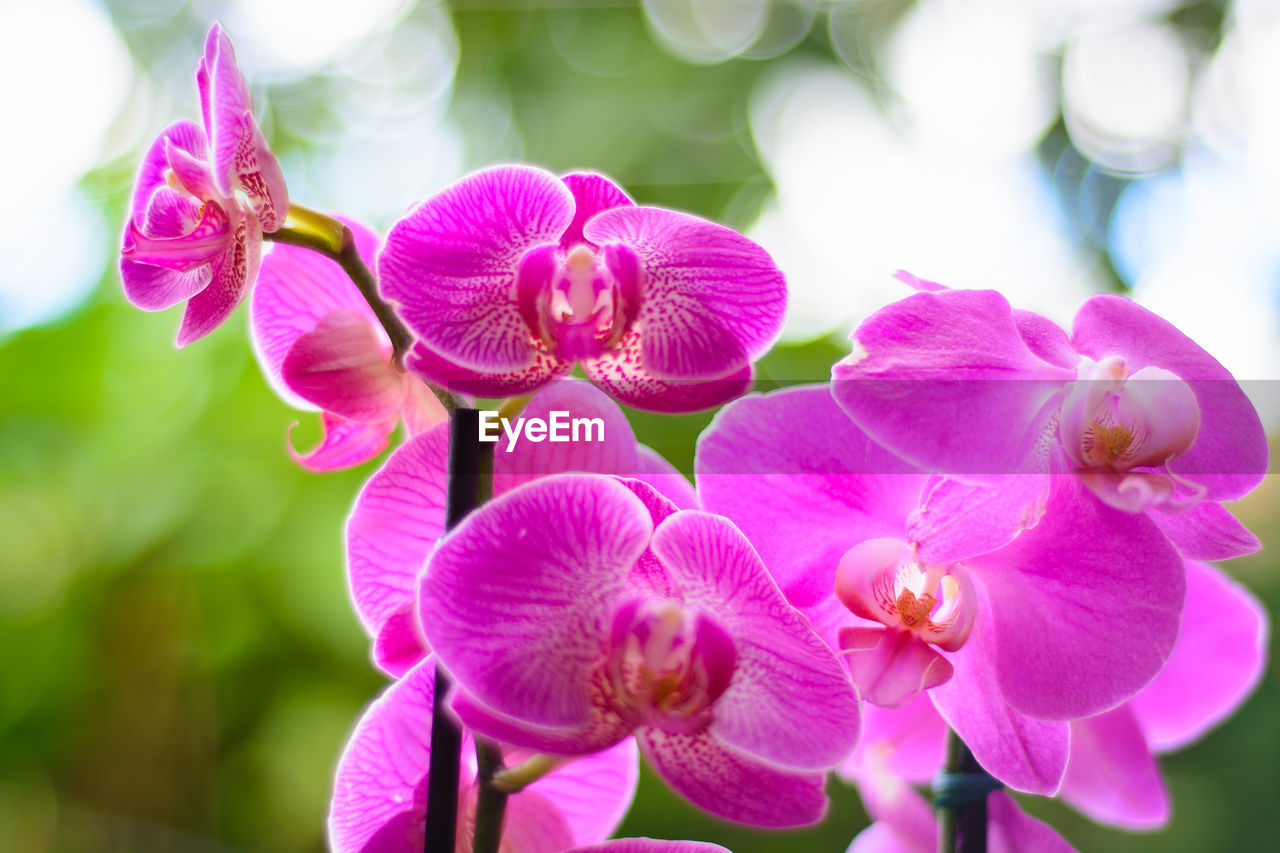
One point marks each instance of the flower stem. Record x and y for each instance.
(470, 484)
(512, 780)
(312, 230)
(960, 795)
(491, 803)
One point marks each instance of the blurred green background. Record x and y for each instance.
(179, 665)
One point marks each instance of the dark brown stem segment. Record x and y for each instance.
(470, 484)
(324, 234)
(961, 797)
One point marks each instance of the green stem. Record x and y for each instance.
(491, 800)
(312, 230)
(512, 780)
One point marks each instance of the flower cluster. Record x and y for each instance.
(983, 524)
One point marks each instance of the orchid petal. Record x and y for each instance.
(185, 135)
(1217, 662)
(531, 824)
(592, 193)
(919, 284)
(191, 172)
(960, 520)
(621, 374)
(1166, 406)
(1112, 776)
(713, 300)
(396, 520)
(892, 803)
(650, 845)
(154, 288)
(518, 609)
(422, 410)
(909, 741)
(343, 367)
(790, 701)
(946, 381)
(345, 444)
(602, 729)
(1046, 339)
(258, 174)
(880, 838)
(1014, 831)
(508, 383)
(1229, 455)
(730, 785)
(653, 469)
(206, 240)
(754, 466)
(171, 214)
(380, 789)
(451, 262)
(1027, 755)
(399, 645)
(1207, 531)
(890, 666)
(296, 289)
(1085, 606)
(237, 152)
(234, 271)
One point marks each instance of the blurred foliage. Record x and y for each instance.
(180, 665)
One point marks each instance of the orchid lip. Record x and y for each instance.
(882, 580)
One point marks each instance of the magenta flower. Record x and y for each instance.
(399, 513)
(905, 823)
(961, 384)
(511, 276)
(200, 203)
(380, 789)
(1012, 630)
(1111, 774)
(320, 346)
(578, 609)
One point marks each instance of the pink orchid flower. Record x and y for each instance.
(905, 822)
(578, 610)
(1111, 774)
(511, 276)
(201, 201)
(399, 513)
(320, 346)
(962, 384)
(380, 789)
(924, 586)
